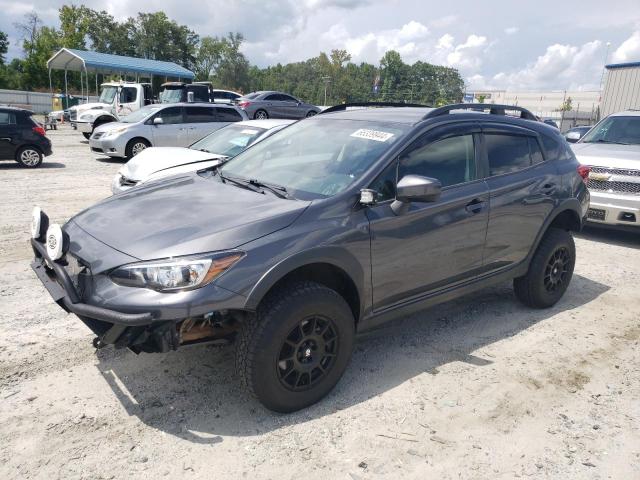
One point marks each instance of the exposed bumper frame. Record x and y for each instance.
(63, 292)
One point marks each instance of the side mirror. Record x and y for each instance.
(158, 121)
(415, 188)
(573, 137)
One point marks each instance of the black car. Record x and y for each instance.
(22, 138)
(329, 227)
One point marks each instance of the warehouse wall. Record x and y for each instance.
(622, 90)
(39, 102)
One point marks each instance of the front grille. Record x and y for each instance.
(614, 187)
(78, 272)
(614, 180)
(73, 115)
(616, 171)
(96, 149)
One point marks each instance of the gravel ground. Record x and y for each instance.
(474, 389)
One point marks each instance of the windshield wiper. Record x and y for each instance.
(277, 190)
(239, 182)
(608, 141)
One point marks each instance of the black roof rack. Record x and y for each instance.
(343, 106)
(494, 109)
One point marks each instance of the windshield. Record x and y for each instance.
(141, 114)
(228, 141)
(316, 158)
(623, 130)
(171, 95)
(108, 94)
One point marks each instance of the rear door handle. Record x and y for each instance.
(548, 189)
(475, 206)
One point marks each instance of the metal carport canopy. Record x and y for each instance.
(106, 63)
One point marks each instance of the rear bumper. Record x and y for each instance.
(614, 209)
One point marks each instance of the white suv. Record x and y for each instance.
(612, 150)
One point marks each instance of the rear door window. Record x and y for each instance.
(507, 153)
(228, 115)
(536, 152)
(200, 115)
(7, 118)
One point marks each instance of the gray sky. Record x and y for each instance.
(501, 44)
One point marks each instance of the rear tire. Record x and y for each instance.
(29, 157)
(296, 348)
(261, 115)
(550, 270)
(135, 146)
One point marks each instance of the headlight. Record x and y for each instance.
(182, 273)
(115, 131)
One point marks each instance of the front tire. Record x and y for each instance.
(550, 271)
(261, 115)
(296, 348)
(135, 146)
(29, 157)
(311, 113)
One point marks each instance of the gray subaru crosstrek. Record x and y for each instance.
(329, 227)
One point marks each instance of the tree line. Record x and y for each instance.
(328, 78)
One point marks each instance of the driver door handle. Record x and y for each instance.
(475, 206)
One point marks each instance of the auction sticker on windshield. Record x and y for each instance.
(376, 135)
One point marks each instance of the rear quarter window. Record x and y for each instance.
(553, 146)
(7, 118)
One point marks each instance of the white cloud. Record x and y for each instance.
(629, 50)
(566, 66)
(466, 56)
(511, 30)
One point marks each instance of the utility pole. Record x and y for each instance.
(606, 58)
(326, 80)
(411, 97)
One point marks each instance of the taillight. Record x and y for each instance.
(39, 130)
(244, 104)
(583, 171)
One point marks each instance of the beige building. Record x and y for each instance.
(622, 88)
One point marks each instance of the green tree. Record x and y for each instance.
(209, 57)
(233, 70)
(4, 47)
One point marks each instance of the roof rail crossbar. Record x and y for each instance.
(494, 109)
(343, 106)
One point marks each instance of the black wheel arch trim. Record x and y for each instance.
(570, 204)
(332, 255)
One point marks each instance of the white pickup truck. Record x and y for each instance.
(116, 100)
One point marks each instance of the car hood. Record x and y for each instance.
(608, 155)
(105, 127)
(88, 106)
(186, 215)
(156, 159)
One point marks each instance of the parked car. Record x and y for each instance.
(329, 227)
(175, 92)
(551, 122)
(576, 133)
(22, 138)
(263, 105)
(162, 125)
(611, 150)
(161, 162)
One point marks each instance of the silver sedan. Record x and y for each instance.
(263, 105)
(162, 125)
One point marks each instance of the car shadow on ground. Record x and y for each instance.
(194, 394)
(111, 159)
(16, 166)
(629, 237)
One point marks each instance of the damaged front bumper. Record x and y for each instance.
(143, 331)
